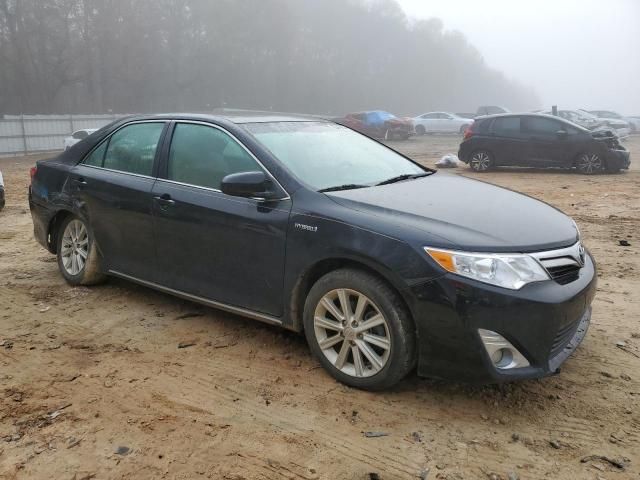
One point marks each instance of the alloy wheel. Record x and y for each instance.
(480, 161)
(352, 333)
(589, 163)
(75, 247)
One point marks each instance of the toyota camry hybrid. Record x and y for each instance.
(385, 265)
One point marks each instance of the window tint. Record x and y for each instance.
(96, 158)
(507, 126)
(133, 148)
(540, 125)
(203, 156)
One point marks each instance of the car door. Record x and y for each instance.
(211, 245)
(448, 124)
(112, 187)
(430, 122)
(507, 144)
(548, 141)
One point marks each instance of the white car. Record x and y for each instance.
(634, 122)
(77, 136)
(440, 122)
(620, 127)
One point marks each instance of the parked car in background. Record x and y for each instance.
(378, 124)
(2, 201)
(440, 122)
(313, 227)
(578, 117)
(484, 110)
(491, 110)
(608, 115)
(78, 136)
(538, 140)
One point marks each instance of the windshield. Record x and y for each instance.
(325, 155)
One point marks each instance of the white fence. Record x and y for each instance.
(24, 134)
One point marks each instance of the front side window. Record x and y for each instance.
(132, 149)
(325, 155)
(202, 156)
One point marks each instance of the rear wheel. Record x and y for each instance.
(359, 329)
(589, 163)
(78, 258)
(481, 161)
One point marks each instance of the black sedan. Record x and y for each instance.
(311, 226)
(536, 140)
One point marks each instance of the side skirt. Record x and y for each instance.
(204, 301)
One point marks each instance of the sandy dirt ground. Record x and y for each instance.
(93, 383)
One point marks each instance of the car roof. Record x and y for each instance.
(527, 114)
(233, 116)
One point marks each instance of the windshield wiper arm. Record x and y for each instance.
(348, 186)
(406, 176)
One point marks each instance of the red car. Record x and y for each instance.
(378, 124)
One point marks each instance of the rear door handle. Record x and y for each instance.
(80, 181)
(165, 200)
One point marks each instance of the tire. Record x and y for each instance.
(390, 327)
(481, 161)
(589, 163)
(420, 130)
(78, 264)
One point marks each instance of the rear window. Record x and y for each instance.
(506, 126)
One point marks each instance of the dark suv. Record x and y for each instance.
(535, 140)
(308, 225)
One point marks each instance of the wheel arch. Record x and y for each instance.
(311, 275)
(54, 229)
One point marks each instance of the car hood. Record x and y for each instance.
(458, 212)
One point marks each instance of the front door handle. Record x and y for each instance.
(165, 201)
(80, 181)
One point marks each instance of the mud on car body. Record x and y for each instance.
(382, 263)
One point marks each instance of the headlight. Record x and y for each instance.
(511, 271)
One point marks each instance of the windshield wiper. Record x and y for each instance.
(406, 176)
(348, 186)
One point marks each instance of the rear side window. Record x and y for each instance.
(96, 158)
(203, 156)
(506, 126)
(540, 125)
(132, 149)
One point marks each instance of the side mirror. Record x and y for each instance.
(562, 133)
(248, 185)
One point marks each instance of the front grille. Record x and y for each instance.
(564, 274)
(563, 265)
(563, 337)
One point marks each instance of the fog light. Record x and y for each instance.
(503, 355)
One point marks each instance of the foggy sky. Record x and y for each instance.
(574, 53)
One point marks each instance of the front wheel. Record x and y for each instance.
(481, 161)
(420, 130)
(589, 163)
(359, 329)
(78, 257)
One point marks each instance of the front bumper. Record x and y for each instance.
(545, 321)
(618, 159)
